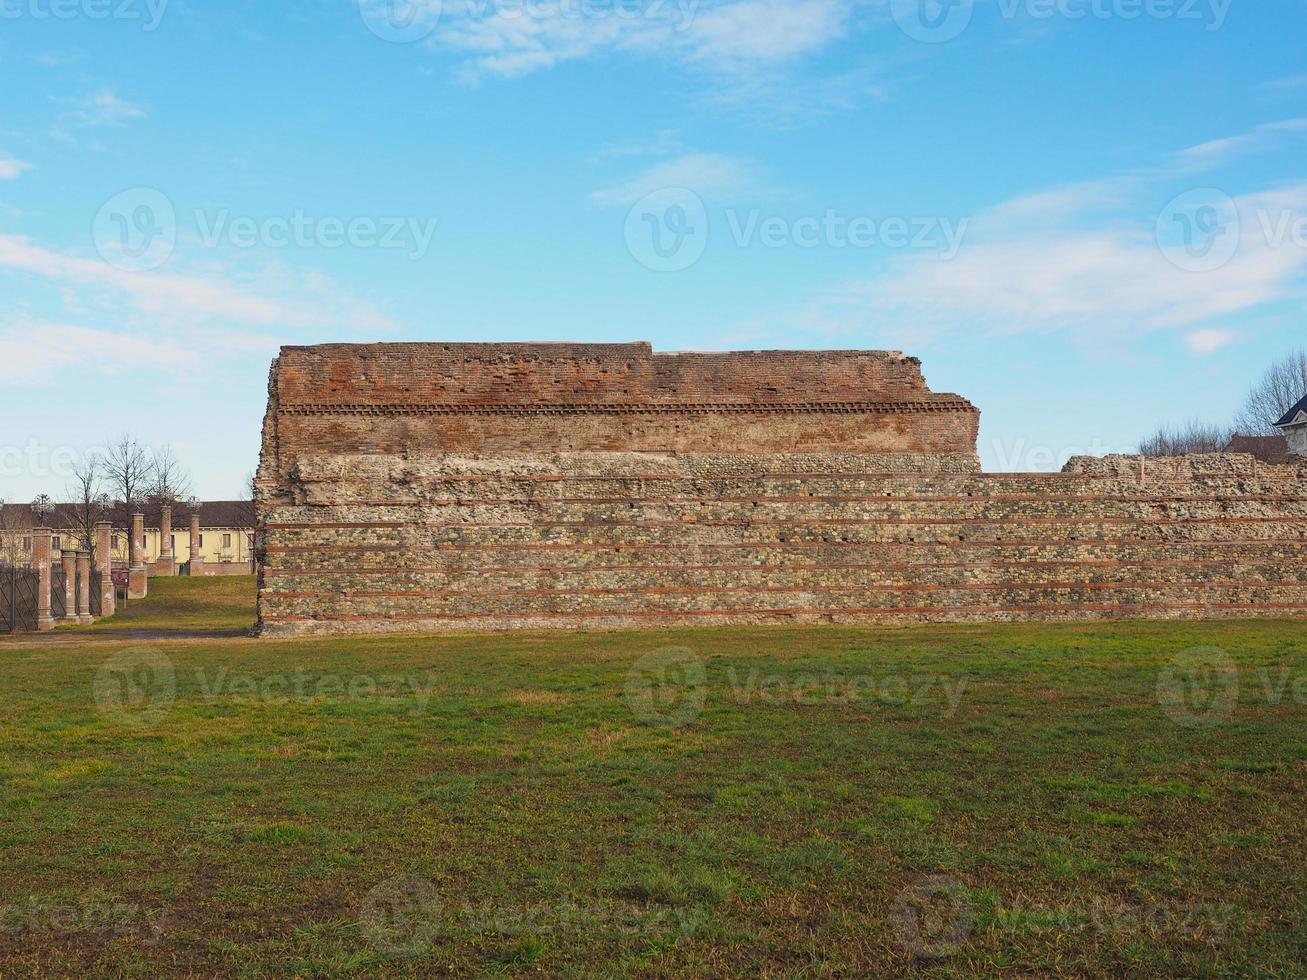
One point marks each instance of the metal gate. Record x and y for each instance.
(58, 592)
(96, 598)
(18, 588)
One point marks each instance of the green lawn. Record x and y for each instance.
(1028, 800)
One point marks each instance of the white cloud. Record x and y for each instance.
(1115, 276)
(719, 37)
(11, 169)
(272, 297)
(1086, 257)
(1214, 153)
(703, 173)
(1209, 340)
(48, 350)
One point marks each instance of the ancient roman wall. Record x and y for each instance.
(733, 500)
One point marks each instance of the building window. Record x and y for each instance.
(172, 543)
(54, 543)
(226, 540)
(114, 542)
(27, 544)
(201, 540)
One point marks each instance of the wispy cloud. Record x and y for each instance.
(1210, 340)
(271, 297)
(102, 109)
(51, 349)
(1087, 257)
(12, 169)
(704, 173)
(1214, 153)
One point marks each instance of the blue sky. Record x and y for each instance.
(1085, 215)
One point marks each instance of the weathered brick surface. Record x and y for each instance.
(455, 487)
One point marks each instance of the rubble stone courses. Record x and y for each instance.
(438, 487)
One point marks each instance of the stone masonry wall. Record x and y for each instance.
(388, 529)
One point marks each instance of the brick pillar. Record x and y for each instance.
(69, 561)
(197, 561)
(138, 584)
(104, 565)
(166, 564)
(41, 562)
(84, 587)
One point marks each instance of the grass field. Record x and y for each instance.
(1102, 800)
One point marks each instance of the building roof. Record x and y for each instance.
(213, 514)
(1268, 449)
(1292, 413)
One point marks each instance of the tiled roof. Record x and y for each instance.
(1269, 449)
(1292, 413)
(213, 514)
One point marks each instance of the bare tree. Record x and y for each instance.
(169, 480)
(1193, 436)
(246, 513)
(1282, 386)
(127, 471)
(88, 503)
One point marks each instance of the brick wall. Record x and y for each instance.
(399, 525)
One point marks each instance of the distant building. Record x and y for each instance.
(1269, 449)
(1294, 427)
(226, 533)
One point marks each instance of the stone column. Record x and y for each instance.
(41, 562)
(84, 587)
(197, 561)
(166, 564)
(104, 565)
(138, 584)
(69, 561)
